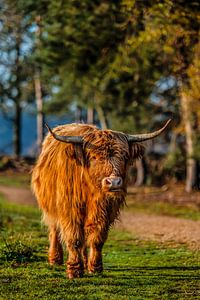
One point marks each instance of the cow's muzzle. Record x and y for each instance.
(112, 184)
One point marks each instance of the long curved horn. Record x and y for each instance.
(67, 138)
(147, 136)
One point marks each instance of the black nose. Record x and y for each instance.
(112, 182)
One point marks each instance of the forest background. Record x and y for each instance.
(125, 65)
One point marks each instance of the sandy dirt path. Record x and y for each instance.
(18, 195)
(164, 229)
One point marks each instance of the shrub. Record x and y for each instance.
(16, 252)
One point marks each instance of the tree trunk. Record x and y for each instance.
(17, 101)
(17, 130)
(90, 115)
(40, 115)
(38, 91)
(141, 172)
(78, 114)
(190, 161)
(102, 117)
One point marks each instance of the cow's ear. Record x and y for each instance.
(136, 151)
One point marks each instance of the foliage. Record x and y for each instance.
(16, 68)
(115, 54)
(173, 164)
(79, 41)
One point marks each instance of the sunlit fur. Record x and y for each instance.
(67, 183)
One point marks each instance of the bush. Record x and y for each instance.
(16, 252)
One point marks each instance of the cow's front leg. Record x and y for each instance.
(95, 263)
(75, 264)
(96, 239)
(55, 249)
(85, 256)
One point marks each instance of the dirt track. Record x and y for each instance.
(169, 230)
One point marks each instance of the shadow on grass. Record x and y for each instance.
(151, 268)
(136, 271)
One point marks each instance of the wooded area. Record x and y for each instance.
(128, 65)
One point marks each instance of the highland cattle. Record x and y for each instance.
(80, 182)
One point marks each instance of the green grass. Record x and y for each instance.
(132, 269)
(163, 208)
(16, 180)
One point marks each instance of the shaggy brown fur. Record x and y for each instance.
(67, 182)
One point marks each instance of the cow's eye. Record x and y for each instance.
(111, 153)
(97, 158)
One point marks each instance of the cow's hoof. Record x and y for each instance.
(74, 274)
(55, 260)
(95, 269)
(75, 270)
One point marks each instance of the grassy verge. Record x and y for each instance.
(15, 180)
(133, 270)
(156, 207)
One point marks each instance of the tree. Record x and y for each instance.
(38, 90)
(173, 27)
(16, 86)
